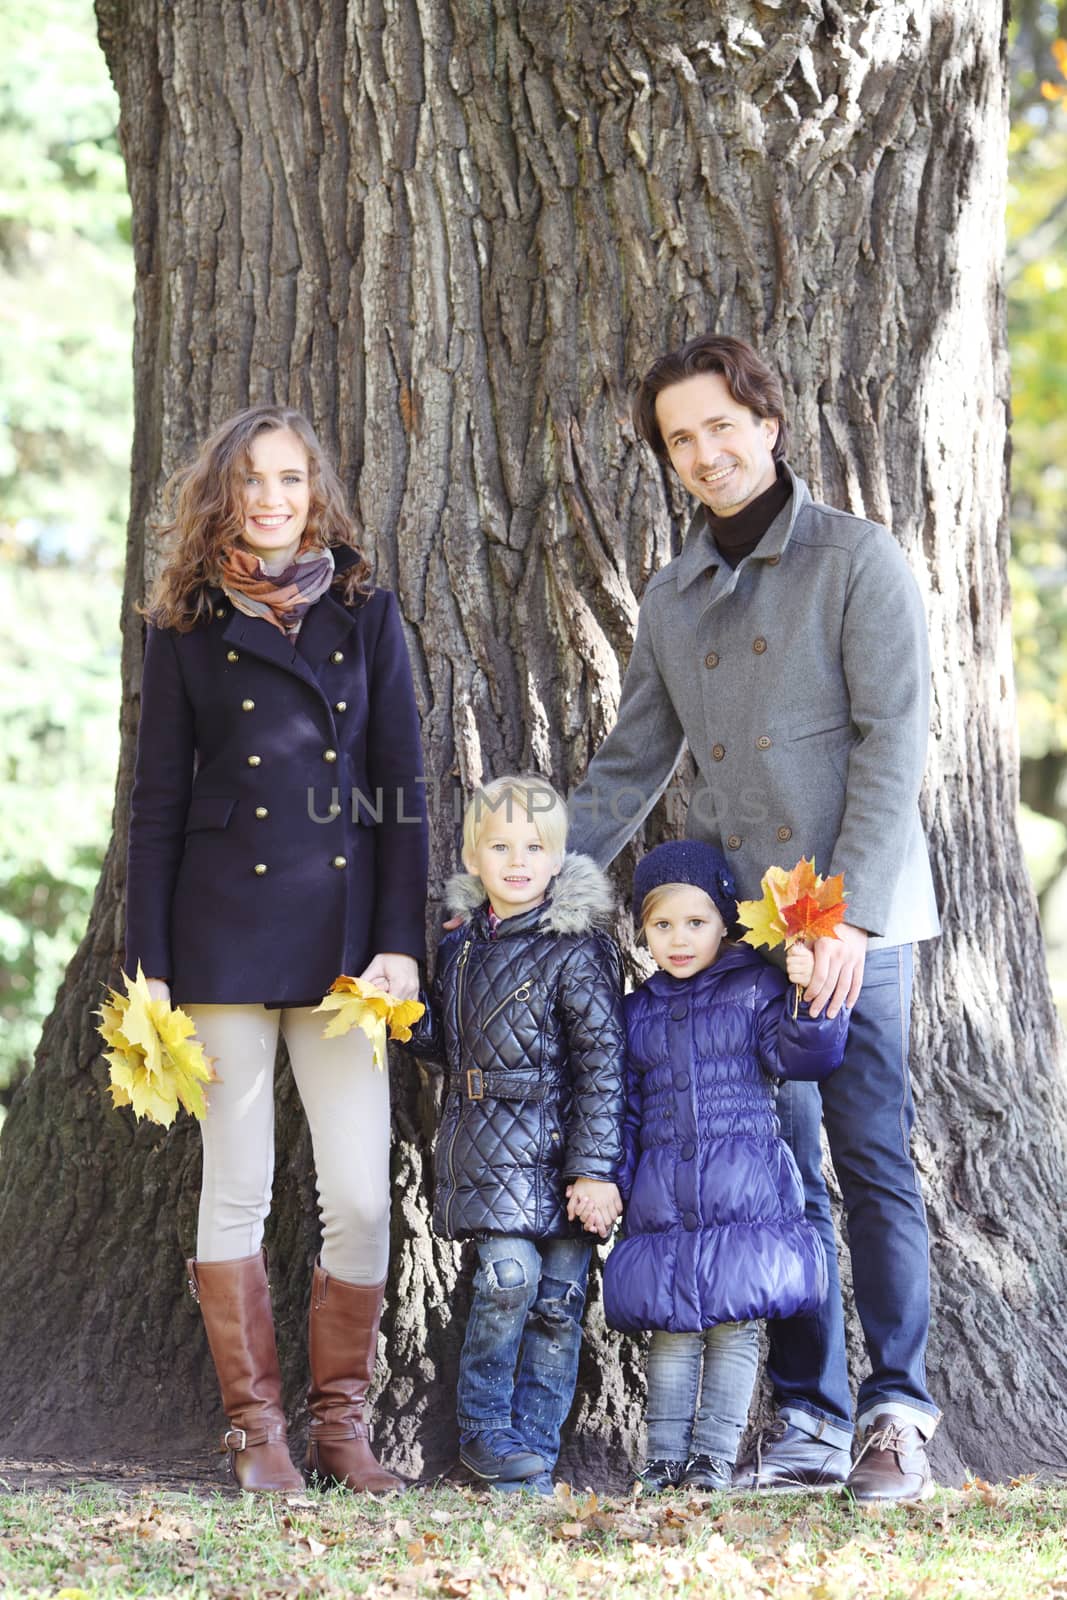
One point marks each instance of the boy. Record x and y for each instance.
(526, 1016)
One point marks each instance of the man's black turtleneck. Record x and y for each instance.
(737, 536)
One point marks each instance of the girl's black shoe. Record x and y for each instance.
(706, 1472)
(655, 1476)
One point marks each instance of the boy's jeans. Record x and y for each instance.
(519, 1363)
(677, 1427)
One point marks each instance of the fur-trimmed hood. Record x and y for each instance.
(580, 897)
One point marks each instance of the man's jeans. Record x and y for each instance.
(868, 1111)
(679, 1427)
(519, 1363)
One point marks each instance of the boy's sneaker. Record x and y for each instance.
(497, 1455)
(784, 1460)
(706, 1472)
(655, 1476)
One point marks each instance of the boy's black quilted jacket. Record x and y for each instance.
(529, 1026)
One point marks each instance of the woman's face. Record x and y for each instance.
(277, 492)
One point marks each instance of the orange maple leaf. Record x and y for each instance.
(808, 919)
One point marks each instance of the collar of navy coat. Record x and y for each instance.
(701, 555)
(734, 958)
(325, 628)
(581, 900)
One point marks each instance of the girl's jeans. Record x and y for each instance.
(519, 1363)
(680, 1428)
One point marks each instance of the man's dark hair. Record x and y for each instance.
(749, 379)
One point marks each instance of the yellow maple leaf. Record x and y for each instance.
(356, 1004)
(154, 1057)
(763, 917)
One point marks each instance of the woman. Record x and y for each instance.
(277, 839)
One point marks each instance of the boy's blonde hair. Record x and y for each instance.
(517, 794)
(655, 897)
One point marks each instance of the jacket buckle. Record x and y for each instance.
(475, 1088)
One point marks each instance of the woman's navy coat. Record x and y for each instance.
(242, 886)
(714, 1229)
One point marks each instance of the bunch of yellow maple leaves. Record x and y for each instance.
(155, 1059)
(356, 1004)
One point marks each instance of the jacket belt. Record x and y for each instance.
(474, 1084)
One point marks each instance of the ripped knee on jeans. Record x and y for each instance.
(560, 1304)
(505, 1282)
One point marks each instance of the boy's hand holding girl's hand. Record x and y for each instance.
(596, 1203)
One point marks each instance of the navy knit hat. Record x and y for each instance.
(688, 861)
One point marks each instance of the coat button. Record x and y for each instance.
(772, 561)
(337, 655)
(261, 812)
(259, 869)
(711, 659)
(255, 761)
(718, 751)
(688, 1152)
(785, 834)
(342, 705)
(733, 842)
(759, 645)
(682, 1081)
(220, 611)
(329, 755)
(679, 1010)
(339, 862)
(248, 705)
(763, 743)
(231, 655)
(691, 1222)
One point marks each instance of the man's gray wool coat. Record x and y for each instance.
(801, 681)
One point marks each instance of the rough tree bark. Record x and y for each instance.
(454, 233)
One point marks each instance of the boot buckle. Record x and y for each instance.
(230, 1435)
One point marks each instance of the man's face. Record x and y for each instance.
(721, 450)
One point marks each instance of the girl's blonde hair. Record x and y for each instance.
(208, 515)
(655, 897)
(525, 794)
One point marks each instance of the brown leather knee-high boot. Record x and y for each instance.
(234, 1298)
(342, 1345)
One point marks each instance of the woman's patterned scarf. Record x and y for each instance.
(284, 598)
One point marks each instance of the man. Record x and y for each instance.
(787, 645)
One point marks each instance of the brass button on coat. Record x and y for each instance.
(711, 659)
(733, 842)
(759, 645)
(718, 751)
(261, 812)
(255, 761)
(248, 705)
(785, 834)
(339, 862)
(220, 611)
(336, 656)
(342, 705)
(329, 755)
(231, 655)
(763, 743)
(259, 869)
(772, 561)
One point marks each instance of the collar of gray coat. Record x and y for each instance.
(699, 552)
(580, 897)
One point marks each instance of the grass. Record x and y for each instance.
(961, 1545)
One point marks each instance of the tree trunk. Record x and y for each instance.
(455, 234)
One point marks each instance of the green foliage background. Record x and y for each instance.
(66, 315)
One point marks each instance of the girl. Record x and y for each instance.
(714, 1235)
(277, 839)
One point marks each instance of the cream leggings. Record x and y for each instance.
(346, 1101)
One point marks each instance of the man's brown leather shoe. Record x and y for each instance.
(892, 1463)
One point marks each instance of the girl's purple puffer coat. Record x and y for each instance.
(714, 1229)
